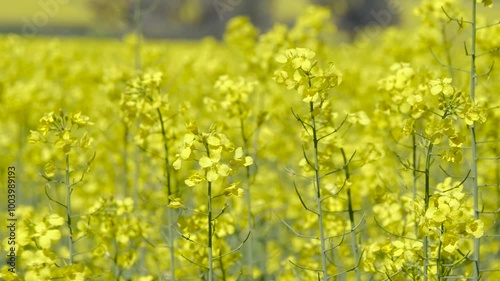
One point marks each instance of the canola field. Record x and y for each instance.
(275, 155)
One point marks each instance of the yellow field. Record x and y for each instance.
(282, 155)
(71, 12)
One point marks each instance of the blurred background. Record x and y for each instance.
(181, 19)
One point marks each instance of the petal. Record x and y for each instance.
(205, 162)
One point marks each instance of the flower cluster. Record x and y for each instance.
(143, 100)
(214, 161)
(59, 130)
(235, 93)
(300, 71)
(449, 216)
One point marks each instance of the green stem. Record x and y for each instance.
(125, 161)
(475, 189)
(318, 195)
(168, 171)
(415, 168)
(210, 234)
(248, 198)
(426, 200)
(438, 263)
(355, 251)
(210, 229)
(117, 270)
(68, 210)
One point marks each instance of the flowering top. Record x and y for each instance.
(301, 72)
(216, 156)
(63, 128)
(236, 94)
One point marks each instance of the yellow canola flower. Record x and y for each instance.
(145, 278)
(233, 189)
(127, 260)
(442, 86)
(86, 141)
(358, 117)
(450, 242)
(55, 220)
(38, 274)
(74, 272)
(39, 257)
(185, 153)
(35, 136)
(212, 175)
(124, 206)
(176, 203)
(194, 179)
(475, 228)
(46, 235)
(223, 170)
(213, 141)
(205, 162)
(79, 119)
(177, 163)
(486, 3)
(407, 249)
(49, 169)
(437, 213)
(238, 158)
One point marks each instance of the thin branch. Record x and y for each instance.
(291, 229)
(488, 72)
(348, 232)
(305, 268)
(460, 22)
(290, 171)
(193, 262)
(307, 158)
(221, 212)
(393, 234)
(53, 200)
(349, 270)
(235, 249)
(488, 52)
(304, 124)
(302, 201)
(444, 64)
(488, 141)
(489, 158)
(488, 25)
(491, 212)
(189, 239)
(448, 174)
(341, 168)
(335, 130)
(338, 244)
(461, 183)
